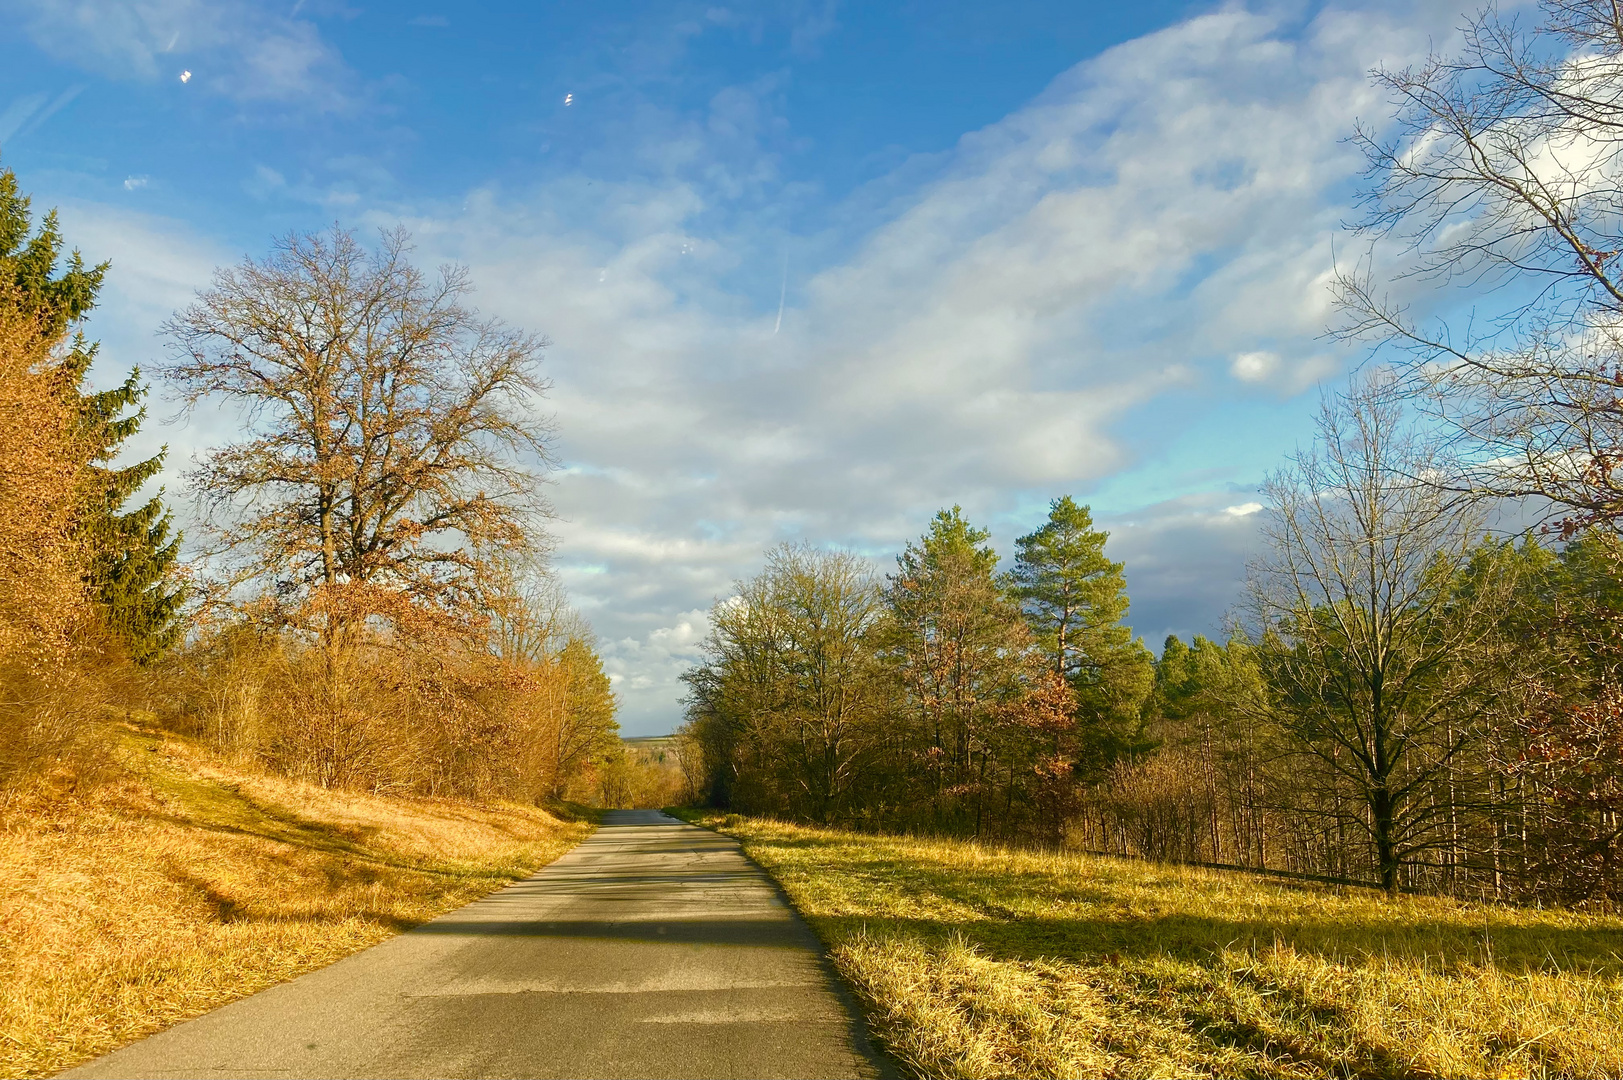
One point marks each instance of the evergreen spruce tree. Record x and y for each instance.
(132, 552)
(129, 554)
(1074, 599)
(29, 262)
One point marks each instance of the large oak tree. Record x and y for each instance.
(391, 454)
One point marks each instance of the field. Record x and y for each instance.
(185, 882)
(981, 962)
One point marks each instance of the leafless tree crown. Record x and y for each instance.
(1366, 640)
(1504, 170)
(390, 441)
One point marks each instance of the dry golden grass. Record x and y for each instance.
(982, 962)
(189, 883)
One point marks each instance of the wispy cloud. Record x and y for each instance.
(31, 111)
(992, 327)
(18, 113)
(1157, 215)
(245, 50)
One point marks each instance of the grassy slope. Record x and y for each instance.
(981, 962)
(189, 883)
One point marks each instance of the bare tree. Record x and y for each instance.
(788, 694)
(391, 450)
(832, 606)
(1504, 170)
(532, 620)
(1376, 661)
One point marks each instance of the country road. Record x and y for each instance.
(654, 949)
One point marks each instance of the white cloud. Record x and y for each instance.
(1254, 367)
(1291, 377)
(1159, 220)
(644, 670)
(1157, 223)
(257, 52)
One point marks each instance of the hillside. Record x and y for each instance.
(183, 882)
(981, 962)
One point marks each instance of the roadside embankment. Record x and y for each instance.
(186, 882)
(978, 961)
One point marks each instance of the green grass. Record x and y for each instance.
(976, 961)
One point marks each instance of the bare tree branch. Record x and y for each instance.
(390, 444)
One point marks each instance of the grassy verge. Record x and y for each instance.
(982, 962)
(189, 883)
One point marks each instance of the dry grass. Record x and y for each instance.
(981, 962)
(190, 883)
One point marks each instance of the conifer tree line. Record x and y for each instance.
(367, 603)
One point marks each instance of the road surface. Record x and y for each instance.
(654, 949)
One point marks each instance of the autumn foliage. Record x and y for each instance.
(42, 601)
(371, 607)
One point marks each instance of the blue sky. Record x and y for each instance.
(811, 270)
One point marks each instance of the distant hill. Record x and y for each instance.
(653, 749)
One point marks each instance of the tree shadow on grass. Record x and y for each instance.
(339, 858)
(1443, 947)
(229, 908)
(994, 911)
(223, 808)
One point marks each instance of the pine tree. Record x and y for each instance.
(129, 555)
(1074, 599)
(960, 649)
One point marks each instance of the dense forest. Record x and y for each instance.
(944, 697)
(369, 605)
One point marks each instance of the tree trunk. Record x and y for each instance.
(1382, 807)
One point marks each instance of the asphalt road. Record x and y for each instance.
(654, 949)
